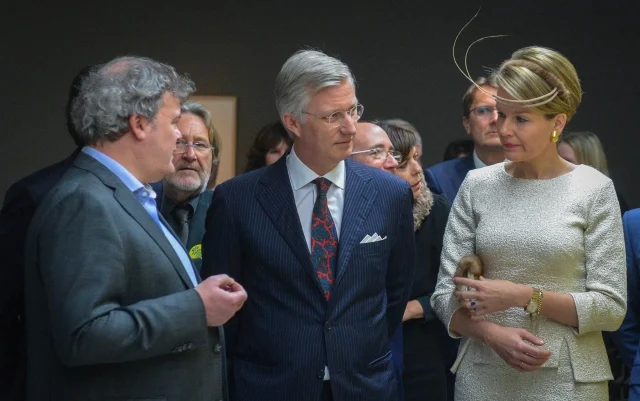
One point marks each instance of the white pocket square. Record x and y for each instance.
(372, 238)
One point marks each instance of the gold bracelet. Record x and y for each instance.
(539, 310)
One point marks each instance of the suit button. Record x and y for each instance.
(320, 374)
(327, 326)
(217, 348)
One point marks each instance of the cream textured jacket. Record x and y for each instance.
(562, 234)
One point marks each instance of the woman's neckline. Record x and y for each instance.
(568, 173)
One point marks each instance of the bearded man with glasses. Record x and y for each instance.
(479, 122)
(183, 198)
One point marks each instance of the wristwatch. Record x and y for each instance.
(534, 306)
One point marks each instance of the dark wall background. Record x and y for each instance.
(400, 52)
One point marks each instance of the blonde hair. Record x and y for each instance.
(534, 72)
(588, 149)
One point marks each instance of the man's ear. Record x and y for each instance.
(465, 124)
(138, 126)
(292, 124)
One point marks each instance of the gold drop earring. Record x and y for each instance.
(554, 136)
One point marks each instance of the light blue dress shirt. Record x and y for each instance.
(147, 197)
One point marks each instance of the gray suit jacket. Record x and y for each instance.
(111, 313)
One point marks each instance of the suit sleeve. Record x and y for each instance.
(221, 250)
(627, 337)
(220, 245)
(15, 217)
(16, 214)
(82, 269)
(439, 214)
(401, 265)
(602, 306)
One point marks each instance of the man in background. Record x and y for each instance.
(371, 146)
(20, 204)
(183, 198)
(479, 122)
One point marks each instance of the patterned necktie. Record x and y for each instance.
(324, 239)
(181, 216)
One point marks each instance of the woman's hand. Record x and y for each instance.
(491, 295)
(514, 346)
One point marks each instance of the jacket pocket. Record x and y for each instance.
(380, 360)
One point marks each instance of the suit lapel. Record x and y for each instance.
(132, 205)
(358, 199)
(276, 198)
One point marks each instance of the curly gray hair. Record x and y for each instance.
(119, 89)
(302, 75)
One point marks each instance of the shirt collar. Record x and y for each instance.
(167, 204)
(116, 168)
(301, 175)
(477, 162)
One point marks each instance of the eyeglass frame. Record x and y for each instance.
(493, 110)
(372, 150)
(187, 145)
(344, 113)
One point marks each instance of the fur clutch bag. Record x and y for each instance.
(471, 267)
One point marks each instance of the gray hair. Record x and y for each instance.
(119, 89)
(198, 110)
(304, 74)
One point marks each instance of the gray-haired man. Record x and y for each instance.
(114, 308)
(324, 246)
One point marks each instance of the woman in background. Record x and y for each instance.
(270, 144)
(424, 369)
(585, 148)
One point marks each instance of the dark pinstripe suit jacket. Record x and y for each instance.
(286, 333)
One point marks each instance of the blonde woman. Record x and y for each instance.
(585, 148)
(550, 235)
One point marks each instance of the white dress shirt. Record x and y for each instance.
(477, 162)
(305, 194)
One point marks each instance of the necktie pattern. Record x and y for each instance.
(324, 238)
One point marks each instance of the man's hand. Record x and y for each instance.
(222, 298)
(413, 311)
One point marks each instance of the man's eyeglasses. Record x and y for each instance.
(336, 118)
(200, 148)
(380, 154)
(484, 112)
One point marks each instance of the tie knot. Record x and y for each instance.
(323, 185)
(182, 212)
